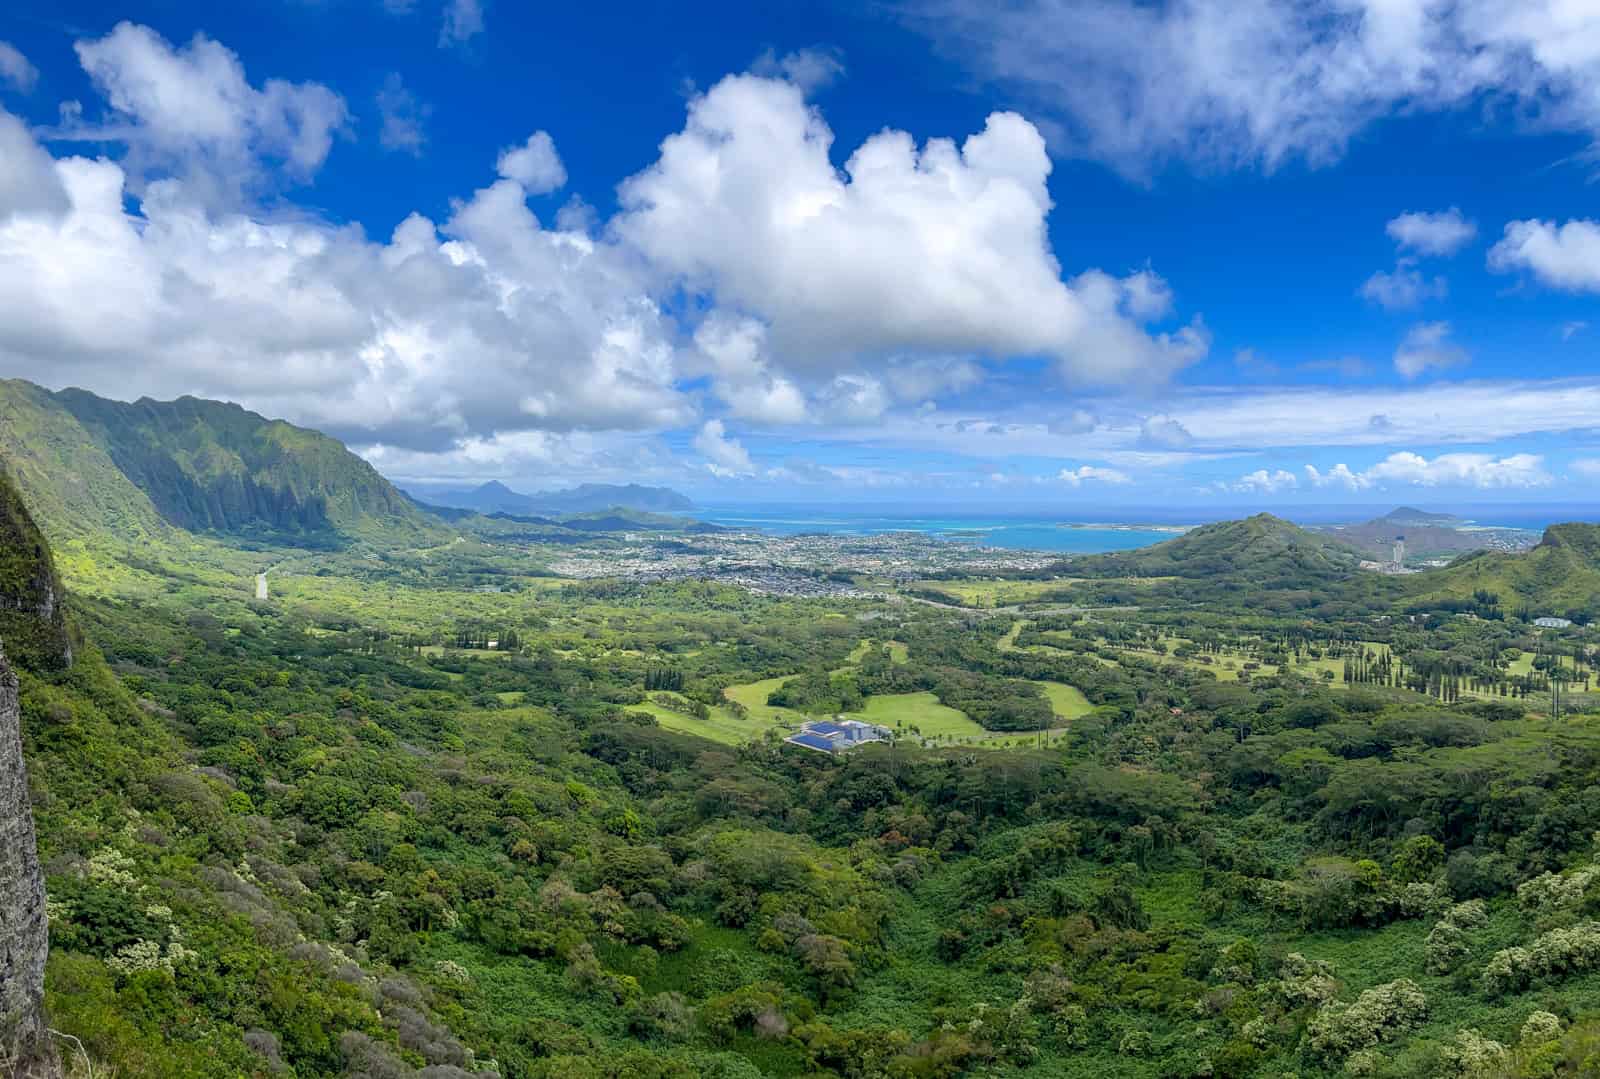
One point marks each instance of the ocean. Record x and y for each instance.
(1026, 533)
(1104, 529)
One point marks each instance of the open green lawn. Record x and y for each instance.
(721, 726)
(900, 711)
(899, 652)
(753, 695)
(1522, 665)
(992, 593)
(1068, 702)
(939, 723)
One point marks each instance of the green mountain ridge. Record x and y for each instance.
(137, 470)
(1561, 574)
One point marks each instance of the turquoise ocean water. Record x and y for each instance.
(996, 530)
(1086, 532)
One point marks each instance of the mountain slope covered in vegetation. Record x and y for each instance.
(438, 815)
(1259, 550)
(1561, 575)
(136, 470)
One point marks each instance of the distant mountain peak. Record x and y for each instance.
(494, 496)
(1412, 515)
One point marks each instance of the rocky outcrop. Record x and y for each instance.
(26, 1051)
(33, 623)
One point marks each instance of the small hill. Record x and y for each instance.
(1263, 549)
(496, 497)
(138, 470)
(1559, 576)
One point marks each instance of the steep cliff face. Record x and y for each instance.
(26, 1051)
(34, 627)
(32, 622)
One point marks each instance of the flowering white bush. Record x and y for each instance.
(150, 955)
(1303, 981)
(1554, 954)
(1446, 945)
(108, 865)
(1468, 915)
(1551, 892)
(1419, 898)
(1364, 1062)
(1445, 948)
(1540, 1027)
(1473, 1056)
(1378, 1015)
(451, 971)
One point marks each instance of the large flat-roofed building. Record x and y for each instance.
(833, 735)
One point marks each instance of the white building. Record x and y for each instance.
(1548, 622)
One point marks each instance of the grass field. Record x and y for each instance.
(900, 711)
(721, 726)
(1068, 702)
(753, 695)
(1227, 666)
(938, 723)
(992, 593)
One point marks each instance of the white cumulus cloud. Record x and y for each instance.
(192, 111)
(1339, 475)
(1077, 477)
(939, 248)
(1265, 482)
(734, 348)
(1165, 433)
(535, 164)
(1480, 470)
(725, 457)
(1562, 256)
(1405, 288)
(483, 324)
(1432, 233)
(1427, 347)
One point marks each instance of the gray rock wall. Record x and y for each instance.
(26, 1051)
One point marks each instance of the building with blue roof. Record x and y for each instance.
(832, 736)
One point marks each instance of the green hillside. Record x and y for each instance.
(1263, 549)
(67, 476)
(1560, 575)
(203, 466)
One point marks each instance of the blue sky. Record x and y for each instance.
(1275, 252)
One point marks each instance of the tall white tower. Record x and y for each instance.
(1399, 551)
